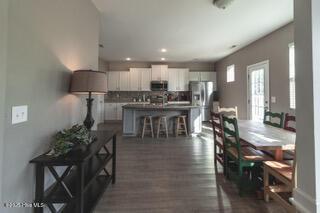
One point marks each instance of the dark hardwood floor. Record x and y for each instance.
(174, 175)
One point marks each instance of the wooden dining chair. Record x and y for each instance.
(287, 120)
(218, 140)
(229, 112)
(269, 119)
(281, 191)
(244, 158)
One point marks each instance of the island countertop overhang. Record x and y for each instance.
(159, 107)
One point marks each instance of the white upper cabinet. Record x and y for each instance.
(156, 73)
(145, 78)
(173, 79)
(118, 81)
(208, 76)
(202, 76)
(184, 80)
(113, 81)
(164, 73)
(134, 79)
(194, 76)
(178, 79)
(124, 81)
(159, 73)
(140, 79)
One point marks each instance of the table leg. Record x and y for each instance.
(278, 155)
(80, 189)
(39, 187)
(114, 152)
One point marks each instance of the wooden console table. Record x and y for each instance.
(84, 177)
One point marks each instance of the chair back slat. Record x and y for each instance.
(231, 134)
(287, 120)
(229, 112)
(270, 116)
(217, 126)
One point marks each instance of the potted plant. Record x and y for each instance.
(71, 141)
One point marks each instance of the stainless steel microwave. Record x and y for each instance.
(159, 85)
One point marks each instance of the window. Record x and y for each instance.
(292, 77)
(230, 73)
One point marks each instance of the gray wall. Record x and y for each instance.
(46, 41)
(273, 47)
(123, 66)
(3, 71)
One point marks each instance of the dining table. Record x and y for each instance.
(264, 137)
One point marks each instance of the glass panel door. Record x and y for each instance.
(258, 91)
(257, 94)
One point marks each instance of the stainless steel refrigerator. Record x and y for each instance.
(202, 95)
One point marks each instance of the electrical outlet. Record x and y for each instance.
(273, 99)
(19, 114)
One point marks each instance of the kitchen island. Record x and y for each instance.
(133, 113)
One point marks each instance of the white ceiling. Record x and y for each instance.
(189, 29)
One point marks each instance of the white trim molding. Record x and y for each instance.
(304, 202)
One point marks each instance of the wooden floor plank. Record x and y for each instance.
(174, 175)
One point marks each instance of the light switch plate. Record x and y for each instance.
(273, 99)
(19, 114)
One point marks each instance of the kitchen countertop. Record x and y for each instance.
(129, 101)
(160, 107)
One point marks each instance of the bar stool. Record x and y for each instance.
(162, 125)
(181, 125)
(147, 122)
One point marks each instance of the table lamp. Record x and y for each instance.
(88, 82)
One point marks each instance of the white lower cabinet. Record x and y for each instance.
(110, 111)
(113, 111)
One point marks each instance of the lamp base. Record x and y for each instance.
(89, 121)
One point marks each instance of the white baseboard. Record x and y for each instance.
(304, 202)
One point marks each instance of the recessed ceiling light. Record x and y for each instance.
(164, 50)
(163, 59)
(128, 59)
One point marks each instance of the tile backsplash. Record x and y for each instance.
(129, 96)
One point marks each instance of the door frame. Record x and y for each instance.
(266, 82)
